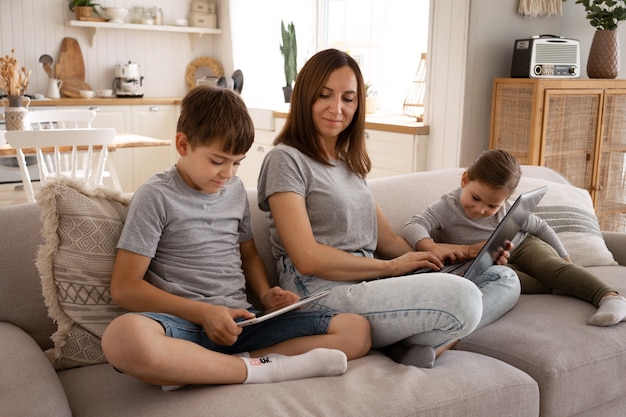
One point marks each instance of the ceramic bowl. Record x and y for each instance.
(87, 93)
(116, 14)
(105, 93)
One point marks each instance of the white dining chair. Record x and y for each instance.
(65, 146)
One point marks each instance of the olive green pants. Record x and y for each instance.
(541, 271)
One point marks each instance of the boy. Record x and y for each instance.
(471, 213)
(185, 257)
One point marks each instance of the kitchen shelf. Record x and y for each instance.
(95, 26)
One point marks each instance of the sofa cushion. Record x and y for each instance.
(578, 367)
(29, 386)
(569, 211)
(81, 229)
(460, 384)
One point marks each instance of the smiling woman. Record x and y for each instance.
(386, 38)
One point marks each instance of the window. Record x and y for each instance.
(386, 37)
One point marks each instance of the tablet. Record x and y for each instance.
(262, 317)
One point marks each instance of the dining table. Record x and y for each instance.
(122, 140)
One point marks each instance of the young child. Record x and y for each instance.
(184, 260)
(471, 213)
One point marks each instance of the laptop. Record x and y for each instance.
(507, 230)
(262, 317)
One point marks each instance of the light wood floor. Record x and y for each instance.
(11, 194)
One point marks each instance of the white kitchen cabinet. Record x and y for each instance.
(395, 153)
(156, 121)
(249, 169)
(135, 165)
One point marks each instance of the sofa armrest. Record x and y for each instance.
(616, 242)
(29, 386)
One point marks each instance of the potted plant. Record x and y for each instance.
(82, 8)
(604, 16)
(289, 49)
(14, 81)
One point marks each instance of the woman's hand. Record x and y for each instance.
(277, 298)
(410, 261)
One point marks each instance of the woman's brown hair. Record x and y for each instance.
(299, 130)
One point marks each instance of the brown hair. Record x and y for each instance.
(299, 130)
(497, 169)
(210, 114)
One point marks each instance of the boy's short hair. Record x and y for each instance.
(209, 114)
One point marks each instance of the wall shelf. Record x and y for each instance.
(95, 26)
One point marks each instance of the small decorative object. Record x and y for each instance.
(13, 81)
(540, 8)
(82, 8)
(289, 49)
(370, 98)
(414, 101)
(604, 16)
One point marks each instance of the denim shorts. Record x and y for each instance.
(258, 336)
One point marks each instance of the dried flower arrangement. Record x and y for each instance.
(13, 80)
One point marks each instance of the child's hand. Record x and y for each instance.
(219, 323)
(277, 298)
(450, 254)
(505, 254)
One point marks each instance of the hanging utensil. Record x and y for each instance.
(46, 61)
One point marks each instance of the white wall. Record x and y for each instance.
(493, 28)
(37, 27)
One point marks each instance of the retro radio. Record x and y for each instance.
(546, 56)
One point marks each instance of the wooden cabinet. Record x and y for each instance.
(576, 127)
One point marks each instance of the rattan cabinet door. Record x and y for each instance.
(570, 130)
(610, 181)
(513, 120)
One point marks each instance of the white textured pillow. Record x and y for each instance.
(569, 211)
(81, 228)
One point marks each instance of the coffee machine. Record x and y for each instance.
(128, 81)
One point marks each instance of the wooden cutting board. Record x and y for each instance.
(72, 86)
(70, 64)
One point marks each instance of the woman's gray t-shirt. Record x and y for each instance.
(340, 205)
(193, 238)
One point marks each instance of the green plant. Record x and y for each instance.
(80, 3)
(604, 14)
(289, 49)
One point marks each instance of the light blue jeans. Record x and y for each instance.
(430, 309)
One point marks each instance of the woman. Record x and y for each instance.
(326, 227)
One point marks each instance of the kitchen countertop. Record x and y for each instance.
(385, 122)
(100, 101)
(388, 123)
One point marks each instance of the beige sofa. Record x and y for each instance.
(539, 359)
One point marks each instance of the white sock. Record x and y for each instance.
(612, 310)
(169, 388)
(314, 363)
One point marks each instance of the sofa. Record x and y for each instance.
(540, 359)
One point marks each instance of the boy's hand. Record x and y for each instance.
(277, 298)
(219, 323)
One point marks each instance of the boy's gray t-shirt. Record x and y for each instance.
(339, 203)
(193, 238)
